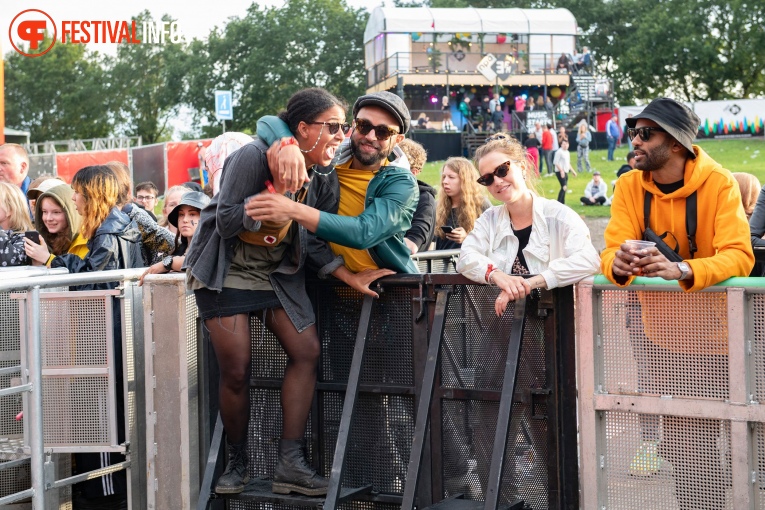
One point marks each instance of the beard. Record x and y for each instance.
(370, 158)
(655, 159)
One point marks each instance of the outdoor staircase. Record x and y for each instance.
(583, 99)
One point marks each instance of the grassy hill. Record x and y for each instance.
(737, 155)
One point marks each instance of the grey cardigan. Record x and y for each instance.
(212, 248)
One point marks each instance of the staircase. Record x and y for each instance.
(586, 94)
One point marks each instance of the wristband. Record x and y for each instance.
(490, 280)
(288, 141)
(490, 269)
(270, 187)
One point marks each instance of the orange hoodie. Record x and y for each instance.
(722, 232)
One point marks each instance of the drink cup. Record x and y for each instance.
(636, 247)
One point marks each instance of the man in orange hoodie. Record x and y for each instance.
(672, 169)
(675, 354)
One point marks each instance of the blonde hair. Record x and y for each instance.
(13, 201)
(163, 222)
(122, 173)
(100, 188)
(750, 190)
(415, 153)
(471, 197)
(514, 151)
(582, 128)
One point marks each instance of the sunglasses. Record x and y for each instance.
(500, 171)
(334, 127)
(644, 132)
(381, 132)
(498, 136)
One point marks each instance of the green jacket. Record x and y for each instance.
(390, 202)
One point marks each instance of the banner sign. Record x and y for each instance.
(534, 116)
(735, 118)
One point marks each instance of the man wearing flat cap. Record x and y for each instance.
(377, 194)
(673, 169)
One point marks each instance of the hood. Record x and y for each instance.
(344, 154)
(697, 171)
(118, 223)
(62, 194)
(426, 188)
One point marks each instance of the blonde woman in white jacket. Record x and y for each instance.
(526, 234)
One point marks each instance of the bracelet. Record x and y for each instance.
(50, 259)
(288, 141)
(490, 269)
(491, 277)
(270, 187)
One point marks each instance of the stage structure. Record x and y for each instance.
(448, 64)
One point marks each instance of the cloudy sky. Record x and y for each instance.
(195, 17)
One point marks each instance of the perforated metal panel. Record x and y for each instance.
(757, 317)
(10, 406)
(641, 331)
(79, 407)
(759, 452)
(473, 357)
(695, 468)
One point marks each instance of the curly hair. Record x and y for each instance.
(13, 201)
(471, 197)
(100, 188)
(514, 151)
(415, 153)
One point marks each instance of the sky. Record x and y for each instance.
(195, 17)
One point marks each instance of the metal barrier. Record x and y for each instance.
(541, 453)
(67, 377)
(437, 261)
(670, 391)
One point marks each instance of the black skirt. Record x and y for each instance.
(231, 302)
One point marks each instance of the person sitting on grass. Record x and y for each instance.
(595, 191)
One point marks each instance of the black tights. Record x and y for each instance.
(230, 337)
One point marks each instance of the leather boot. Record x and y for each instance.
(235, 477)
(294, 474)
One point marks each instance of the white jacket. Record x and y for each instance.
(559, 247)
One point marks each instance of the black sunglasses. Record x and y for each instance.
(381, 132)
(500, 171)
(334, 127)
(644, 132)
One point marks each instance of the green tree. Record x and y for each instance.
(147, 84)
(272, 53)
(59, 95)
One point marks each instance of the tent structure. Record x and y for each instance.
(421, 40)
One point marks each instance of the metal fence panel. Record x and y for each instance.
(669, 384)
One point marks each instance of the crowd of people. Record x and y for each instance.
(314, 194)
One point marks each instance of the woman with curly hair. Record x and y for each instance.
(460, 202)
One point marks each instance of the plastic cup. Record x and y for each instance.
(636, 247)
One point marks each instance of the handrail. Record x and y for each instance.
(66, 280)
(600, 281)
(435, 255)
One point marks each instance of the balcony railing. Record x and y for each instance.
(461, 63)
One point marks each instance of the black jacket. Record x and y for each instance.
(116, 245)
(757, 230)
(424, 219)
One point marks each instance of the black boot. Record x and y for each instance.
(235, 477)
(293, 474)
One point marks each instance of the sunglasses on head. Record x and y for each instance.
(381, 132)
(644, 132)
(500, 171)
(334, 127)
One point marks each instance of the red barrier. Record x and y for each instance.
(68, 163)
(182, 156)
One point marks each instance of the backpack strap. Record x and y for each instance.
(690, 222)
(690, 219)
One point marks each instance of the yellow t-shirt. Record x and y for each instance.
(353, 190)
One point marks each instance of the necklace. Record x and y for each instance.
(317, 141)
(331, 169)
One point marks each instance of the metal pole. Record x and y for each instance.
(223, 122)
(36, 437)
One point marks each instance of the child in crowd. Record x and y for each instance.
(460, 202)
(14, 220)
(58, 222)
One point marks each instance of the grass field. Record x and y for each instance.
(737, 155)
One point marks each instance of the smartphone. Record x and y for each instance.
(33, 236)
(446, 229)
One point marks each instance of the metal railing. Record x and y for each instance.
(87, 144)
(32, 381)
(461, 63)
(671, 386)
